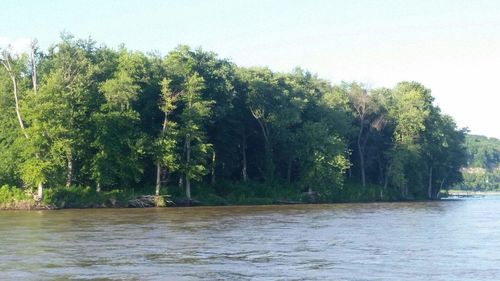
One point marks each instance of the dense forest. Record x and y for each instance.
(483, 164)
(82, 116)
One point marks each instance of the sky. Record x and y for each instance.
(450, 46)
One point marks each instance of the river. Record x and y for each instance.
(442, 240)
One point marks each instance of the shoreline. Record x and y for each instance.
(277, 203)
(467, 193)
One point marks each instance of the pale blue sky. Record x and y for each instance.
(451, 46)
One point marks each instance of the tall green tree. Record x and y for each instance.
(409, 112)
(119, 144)
(167, 140)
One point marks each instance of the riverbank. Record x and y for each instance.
(222, 194)
(470, 193)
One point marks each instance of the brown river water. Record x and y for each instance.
(444, 240)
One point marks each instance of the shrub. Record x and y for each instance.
(14, 198)
(86, 197)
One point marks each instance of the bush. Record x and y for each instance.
(86, 197)
(355, 192)
(238, 193)
(15, 198)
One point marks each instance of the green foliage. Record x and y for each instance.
(483, 152)
(483, 164)
(355, 192)
(87, 197)
(12, 198)
(480, 180)
(107, 118)
(119, 148)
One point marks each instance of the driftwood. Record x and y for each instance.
(148, 201)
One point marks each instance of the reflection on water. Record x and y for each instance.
(447, 240)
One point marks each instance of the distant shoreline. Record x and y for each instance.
(467, 193)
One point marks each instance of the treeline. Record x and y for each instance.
(483, 164)
(80, 114)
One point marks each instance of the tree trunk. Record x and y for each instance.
(69, 175)
(381, 176)
(244, 157)
(268, 149)
(158, 163)
(361, 156)
(158, 178)
(269, 162)
(188, 188)
(8, 67)
(289, 171)
(181, 182)
(386, 178)
(212, 171)
(188, 159)
(436, 193)
(98, 187)
(40, 191)
(429, 189)
(33, 66)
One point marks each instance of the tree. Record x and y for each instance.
(80, 114)
(271, 102)
(119, 144)
(166, 142)
(322, 158)
(194, 113)
(14, 66)
(410, 108)
(363, 108)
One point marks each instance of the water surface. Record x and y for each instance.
(445, 240)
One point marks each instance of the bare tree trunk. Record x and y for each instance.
(188, 159)
(40, 191)
(181, 182)
(244, 156)
(440, 188)
(267, 146)
(212, 171)
(6, 63)
(8, 67)
(158, 178)
(158, 163)
(361, 155)
(33, 65)
(386, 179)
(289, 170)
(381, 175)
(188, 188)
(429, 189)
(69, 175)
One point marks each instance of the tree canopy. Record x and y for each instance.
(81, 115)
